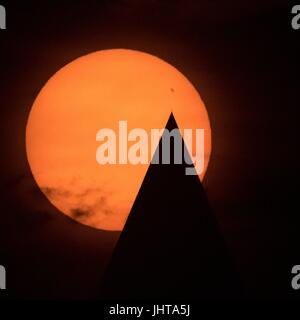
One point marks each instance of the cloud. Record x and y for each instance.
(31, 204)
(25, 203)
(55, 192)
(62, 192)
(84, 212)
(78, 213)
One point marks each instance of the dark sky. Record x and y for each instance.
(240, 57)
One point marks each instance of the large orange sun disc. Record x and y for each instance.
(93, 92)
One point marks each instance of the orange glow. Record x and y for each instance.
(93, 92)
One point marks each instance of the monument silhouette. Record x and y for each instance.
(171, 246)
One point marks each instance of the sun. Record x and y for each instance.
(97, 91)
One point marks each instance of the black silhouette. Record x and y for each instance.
(171, 246)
